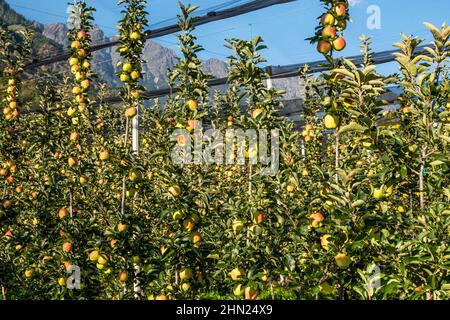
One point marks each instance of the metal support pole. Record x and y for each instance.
(135, 146)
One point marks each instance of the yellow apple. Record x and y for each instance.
(389, 191)
(237, 290)
(127, 67)
(177, 215)
(72, 162)
(175, 190)
(185, 287)
(62, 282)
(135, 36)
(102, 260)
(104, 155)
(124, 77)
(378, 193)
(256, 113)
(29, 273)
(131, 112)
(121, 227)
(84, 180)
(135, 75)
(185, 273)
(94, 255)
(342, 260)
(73, 62)
(290, 188)
(192, 104)
(326, 288)
(324, 242)
(330, 121)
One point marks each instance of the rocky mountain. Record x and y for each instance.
(42, 45)
(159, 59)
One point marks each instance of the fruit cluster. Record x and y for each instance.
(332, 24)
(11, 110)
(308, 132)
(8, 170)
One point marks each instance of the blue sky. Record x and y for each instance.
(283, 27)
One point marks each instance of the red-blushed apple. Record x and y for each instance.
(74, 136)
(94, 255)
(329, 33)
(82, 52)
(260, 217)
(7, 204)
(123, 276)
(131, 112)
(62, 213)
(85, 84)
(340, 10)
(67, 247)
(316, 219)
(81, 34)
(196, 237)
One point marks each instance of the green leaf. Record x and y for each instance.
(436, 163)
(358, 203)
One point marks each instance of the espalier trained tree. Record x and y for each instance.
(330, 33)
(15, 49)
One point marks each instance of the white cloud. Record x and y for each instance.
(354, 2)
